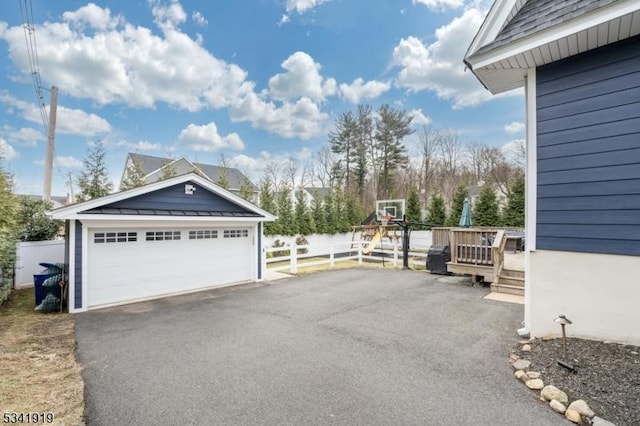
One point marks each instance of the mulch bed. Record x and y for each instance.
(607, 375)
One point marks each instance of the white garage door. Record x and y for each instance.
(125, 265)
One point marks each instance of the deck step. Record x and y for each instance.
(511, 281)
(511, 273)
(508, 289)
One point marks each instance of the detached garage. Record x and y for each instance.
(179, 235)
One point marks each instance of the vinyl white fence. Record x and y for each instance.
(30, 254)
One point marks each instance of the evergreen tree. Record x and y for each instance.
(330, 217)
(457, 205)
(286, 220)
(8, 221)
(437, 213)
(303, 218)
(392, 127)
(94, 180)
(341, 212)
(485, 212)
(343, 141)
(134, 176)
(267, 203)
(354, 212)
(514, 211)
(33, 222)
(414, 212)
(246, 190)
(318, 214)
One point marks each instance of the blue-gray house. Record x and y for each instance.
(579, 63)
(173, 236)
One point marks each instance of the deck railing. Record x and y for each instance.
(473, 246)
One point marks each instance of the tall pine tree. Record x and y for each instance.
(457, 205)
(94, 180)
(485, 212)
(286, 220)
(392, 127)
(414, 212)
(303, 218)
(318, 214)
(437, 213)
(514, 211)
(267, 202)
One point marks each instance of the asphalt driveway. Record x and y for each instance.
(354, 346)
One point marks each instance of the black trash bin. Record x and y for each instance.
(39, 279)
(437, 259)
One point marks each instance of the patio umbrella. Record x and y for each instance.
(465, 217)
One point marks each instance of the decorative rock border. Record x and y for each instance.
(578, 411)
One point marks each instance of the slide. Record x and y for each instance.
(367, 249)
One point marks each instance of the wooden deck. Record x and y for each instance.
(491, 253)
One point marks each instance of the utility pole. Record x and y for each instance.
(48, 163)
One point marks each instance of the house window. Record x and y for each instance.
(203, 234)
(162, 235)
(236, 233)
(115, 237)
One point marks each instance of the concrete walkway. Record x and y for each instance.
(346, 347)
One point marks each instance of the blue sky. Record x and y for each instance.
(256, 81)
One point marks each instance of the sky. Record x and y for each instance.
(251, 81)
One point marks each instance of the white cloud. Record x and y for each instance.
(69, 121)
(438, 66)
(69, 162)
(283, 20)
(301, 119)
(27, 136)
(302, 78)
(254, 166)
(359, 90)
(140, 146)
(419, 119)
(514, 127)
(6, 151)
(302, 6)
(128, 64)
(440, 4)
(206, 138)
(199, 18)
(514, 151)
(169, 17)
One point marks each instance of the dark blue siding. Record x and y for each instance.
(174, 198)
(588, 110)
(77, 269)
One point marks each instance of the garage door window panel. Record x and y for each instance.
(203, 234)
(236, 233)
(115, 237)
(162, 235)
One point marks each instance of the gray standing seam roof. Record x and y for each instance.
(538, 15)
(234, 176)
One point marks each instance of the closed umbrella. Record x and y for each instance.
(465, 217)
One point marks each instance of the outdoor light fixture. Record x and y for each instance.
(563, 321)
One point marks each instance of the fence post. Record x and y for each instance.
(395, 254)
(360, 252)
(331, 256)
(293, 257)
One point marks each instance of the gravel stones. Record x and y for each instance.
(581, 407)
(521, 364)
(574, 416)
(535, 384)
(558, 407)
(551, 392)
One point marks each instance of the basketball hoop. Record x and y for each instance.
(384, 219)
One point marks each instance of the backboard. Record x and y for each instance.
(389, 210)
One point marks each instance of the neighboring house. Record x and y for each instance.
(173, 236)
(153, 170)
(309, 194)
(56, 200)
(579, 62)
(474, 192)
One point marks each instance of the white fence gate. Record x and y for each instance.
(30, 254)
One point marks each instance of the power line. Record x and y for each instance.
(26, 12)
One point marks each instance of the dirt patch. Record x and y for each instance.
(607, 375)
(38, 368)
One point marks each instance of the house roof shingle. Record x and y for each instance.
(538, 15)
(235, 178)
